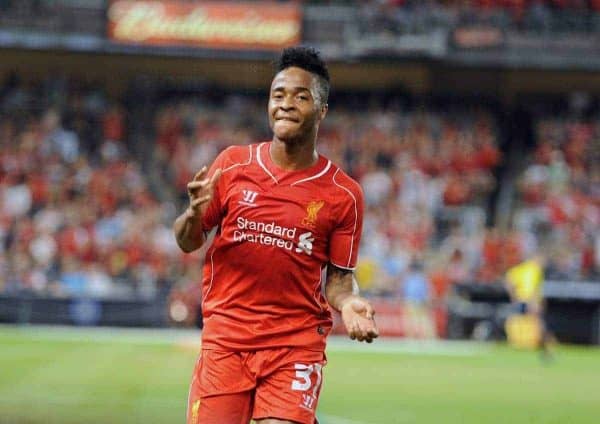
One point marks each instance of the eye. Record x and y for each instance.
(303, 97)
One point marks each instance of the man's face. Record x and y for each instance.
(295, 109)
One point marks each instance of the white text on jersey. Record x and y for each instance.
(271, 234)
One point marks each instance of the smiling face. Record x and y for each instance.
(295, 109)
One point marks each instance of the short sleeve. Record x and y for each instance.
(345, 239)
(214, 214)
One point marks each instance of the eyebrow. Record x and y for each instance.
(298, 88)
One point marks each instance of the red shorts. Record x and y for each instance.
(234, 387)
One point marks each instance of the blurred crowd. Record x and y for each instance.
(559, 196)
(516, 5)
(76, 216)
(81, 216)
(541, 16)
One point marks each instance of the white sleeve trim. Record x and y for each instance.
(342, 267)
(355, 217)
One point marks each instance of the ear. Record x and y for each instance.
(323, 111)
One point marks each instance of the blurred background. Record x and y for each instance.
(472, 126)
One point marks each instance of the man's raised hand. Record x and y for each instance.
(201, 191)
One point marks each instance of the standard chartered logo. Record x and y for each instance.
(271, 234)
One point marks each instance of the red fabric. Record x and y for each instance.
(169, 129)
(543, 154)
(512, 251)
(533, 194)
(439, 283)
(232, 387)
(113, 125)
(457, 192)
(39, 188)
(488, 156)
(277, 232)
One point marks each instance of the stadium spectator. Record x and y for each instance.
(524, 283)
(416, 295)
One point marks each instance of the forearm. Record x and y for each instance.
(341, 287)
(357, 313)
(188, 231)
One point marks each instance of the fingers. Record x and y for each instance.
(358, 316)
(372, 333)
(194, 185)
(362, 329)
(196, 203)
(215, 178)
(367, 330)
(353, 330)
(200, 174)
(200, 182)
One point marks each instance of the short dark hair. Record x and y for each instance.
(309, 59)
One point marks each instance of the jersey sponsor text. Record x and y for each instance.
(265, 233)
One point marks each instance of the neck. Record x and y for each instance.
(293, 156)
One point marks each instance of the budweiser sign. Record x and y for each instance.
(223, 24)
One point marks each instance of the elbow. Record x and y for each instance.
(186, 247)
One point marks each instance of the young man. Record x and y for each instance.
(283, 214)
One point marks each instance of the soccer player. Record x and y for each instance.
(524, 283)
(286, 217)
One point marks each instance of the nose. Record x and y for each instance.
(287, 103)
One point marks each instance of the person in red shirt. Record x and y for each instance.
(286, 219)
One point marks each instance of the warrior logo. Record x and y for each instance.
(248, 198)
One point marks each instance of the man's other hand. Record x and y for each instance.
(358, 317)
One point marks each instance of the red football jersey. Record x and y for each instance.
(277, 231)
